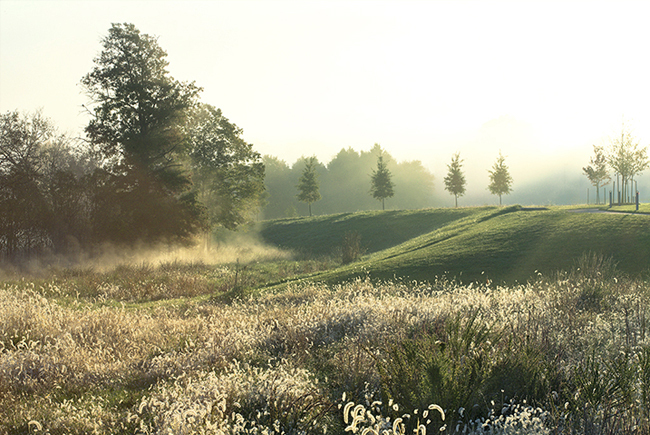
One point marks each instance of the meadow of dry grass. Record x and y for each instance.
(148, 349)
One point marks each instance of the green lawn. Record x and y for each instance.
(322, 235)
(643, 208)
(500, 244)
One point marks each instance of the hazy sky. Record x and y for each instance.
(424, 79)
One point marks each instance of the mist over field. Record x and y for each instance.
(542, 174)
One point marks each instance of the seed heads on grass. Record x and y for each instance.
(256, 360)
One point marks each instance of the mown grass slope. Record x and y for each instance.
(379, 230)
(500, 244)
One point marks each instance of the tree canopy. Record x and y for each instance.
(157, 166)
(139, 114)
(627, 159)
(308, 185)
(227, 173)
(343, 183)
(455, 179)
(138, 109)
(381, 186)
(176, 166)
(500, 179)
(597, 171)
(44, 201)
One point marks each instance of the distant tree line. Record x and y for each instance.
(156, 165)
(351, 181)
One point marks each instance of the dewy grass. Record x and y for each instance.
(146, 282)
(498, 244)
(532, 358)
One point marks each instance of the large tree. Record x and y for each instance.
(597, 172)
(138, 108)
(500, 179)
(455, 179)
(227, 172)
(139, 116)
(308, 185)
(381, 185)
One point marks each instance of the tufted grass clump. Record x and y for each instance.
(466, 362)
(241, 399)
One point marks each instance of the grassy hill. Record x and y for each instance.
(501, 244)
(379, 230)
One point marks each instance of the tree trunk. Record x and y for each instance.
(382, 204)
(309, 208)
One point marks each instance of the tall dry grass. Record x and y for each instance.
(280, 362)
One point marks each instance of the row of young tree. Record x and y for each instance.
(351, 181)
(500, 179)
(156, 165)
(355, 188)
(626, 159)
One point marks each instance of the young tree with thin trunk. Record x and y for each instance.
(381, 185)
(308, 184)
(500, 179)
(455, 179)
(627, 160)
(597, 172)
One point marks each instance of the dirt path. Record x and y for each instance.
(597, 210)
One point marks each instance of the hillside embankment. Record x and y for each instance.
(510, 244)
